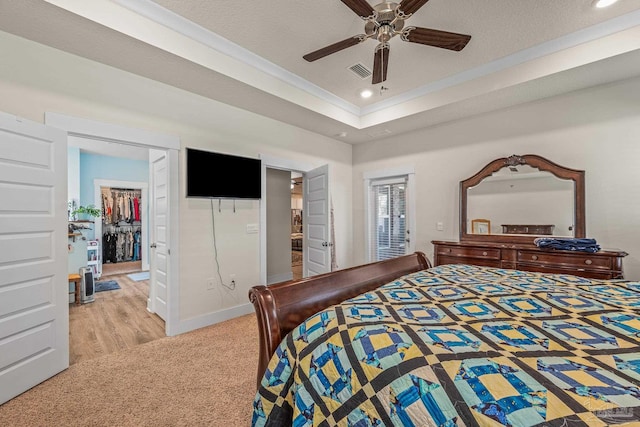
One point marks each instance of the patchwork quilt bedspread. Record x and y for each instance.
(462, 345)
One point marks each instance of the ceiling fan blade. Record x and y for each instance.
(436, 38)
(360, 7)
(409, 7)
(328, 50)
(380, 63)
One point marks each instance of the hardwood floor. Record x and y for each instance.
(116, 320)
(297, 272)
(109, 269)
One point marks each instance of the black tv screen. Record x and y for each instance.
(222, 176)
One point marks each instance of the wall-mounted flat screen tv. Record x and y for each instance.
(222, 176)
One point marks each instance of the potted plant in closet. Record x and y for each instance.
(86, 212)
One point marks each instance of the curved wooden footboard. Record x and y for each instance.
(283, 306)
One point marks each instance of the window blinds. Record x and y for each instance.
(387, 218)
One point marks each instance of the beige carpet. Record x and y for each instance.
(202, 378)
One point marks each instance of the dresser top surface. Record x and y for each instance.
(529, 247)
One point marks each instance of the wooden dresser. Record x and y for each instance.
(605, 264)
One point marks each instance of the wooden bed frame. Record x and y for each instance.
(283, 306)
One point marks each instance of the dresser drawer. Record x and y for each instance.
(582, 261)
(582, 272)
(605, 264)
(457, 251)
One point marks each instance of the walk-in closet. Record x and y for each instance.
(121, 228)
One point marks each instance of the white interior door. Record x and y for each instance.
(315, 221)
(158, 225)
(34, 311)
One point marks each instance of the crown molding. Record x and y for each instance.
(151, 23)
(594, 32)
(179, 24)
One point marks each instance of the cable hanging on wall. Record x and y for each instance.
(232, 286)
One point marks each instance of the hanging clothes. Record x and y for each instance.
(121, 224)
(121, 205)
(137, 238)
(121, 244)
(136, 209)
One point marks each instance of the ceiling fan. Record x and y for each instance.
(296, 181)
(385, 21)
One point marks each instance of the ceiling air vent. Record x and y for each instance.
(360, 70)
(377, 134)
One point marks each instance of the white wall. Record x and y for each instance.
(73, 175)
(595, 130)
(521, 206)
(35, 79)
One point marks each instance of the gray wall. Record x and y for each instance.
(278, 226)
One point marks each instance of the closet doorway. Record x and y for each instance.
(124, 229)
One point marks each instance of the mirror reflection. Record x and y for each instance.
(522, 200)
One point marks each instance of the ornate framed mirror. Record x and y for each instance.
(522, 198)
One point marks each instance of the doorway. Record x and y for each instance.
(160, 149)
(297, 230)
(128, 227)
(284, 229)
(116, 318)
(390, 213)
(315, 220)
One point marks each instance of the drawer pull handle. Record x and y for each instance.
(448, 249)
(534, 257)
(484, 254)
(588, 261)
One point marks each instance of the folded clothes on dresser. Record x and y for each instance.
(568, 244)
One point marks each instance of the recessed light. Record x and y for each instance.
(366, 93)
(604, 3)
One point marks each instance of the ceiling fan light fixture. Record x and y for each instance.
(366, 93)
(603, 3)
(383, 22)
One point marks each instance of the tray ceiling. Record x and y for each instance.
(251, 53)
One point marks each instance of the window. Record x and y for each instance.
(387, 217)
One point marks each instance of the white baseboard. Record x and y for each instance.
(276, 278)
(211, 318)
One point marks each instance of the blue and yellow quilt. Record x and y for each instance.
(462, 345)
